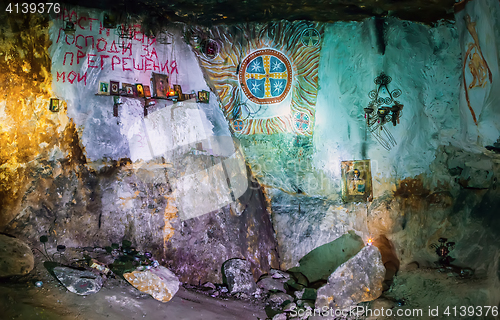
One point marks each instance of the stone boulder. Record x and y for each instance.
(16, 257)
(81, 282)
(161, 283)
(268, 283)
(238, 277)
(357, 280)
(277, 302)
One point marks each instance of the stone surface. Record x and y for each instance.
(238, 276)
(276, 301)
(81, 282)
(16, 257)
(161, 283)
(358, 280)
(268, 283)
(322, 261)
(278, 274)
(280, 316)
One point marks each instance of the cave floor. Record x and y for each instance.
(21, 299)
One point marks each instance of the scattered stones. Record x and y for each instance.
(238, 276)
(161, 283)
(306, 294)
(358, 280)
(268, 283)
(278, 274)
(81, 282)
(277, 301)
(16, 258)
(280, 316)
(300, 278)
(209, 285)
(289, 307)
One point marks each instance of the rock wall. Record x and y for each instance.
(173, 182)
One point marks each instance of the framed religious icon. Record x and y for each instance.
(178, 92)
(203, 96)
(114, 88)
(128, 89)
(356, 181)
(140, 90)
(103, 88)
(160, 85)
(147, 91)
(54, 105)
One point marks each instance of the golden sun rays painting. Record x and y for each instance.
(266, 75)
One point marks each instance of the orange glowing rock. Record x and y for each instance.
(161, 283)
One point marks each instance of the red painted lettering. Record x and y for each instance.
(147, 66)
(146, 50)
(101, 29)
(59, 75)
(79, 55)
(100, 41)
(86, 43)
(102, 61)
(136, 35)
(153, 53)
(165, 66)
(76, 41)
(151, 41)
(173, 66)
(136, 67)
(92, 20)
(83, 77)
(66, 39)
(89, 61)
(113, 62)
(71, 80)
(123, 64)
(113, 48)
(80, 22)
(59, 36)
(129, 48)
(72, 56)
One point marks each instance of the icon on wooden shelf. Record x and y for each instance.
(54, 105)
(140, 90)
(114, 88)
(178, 92)
(147, 92)
(129, 89)
(160, 85)
(103, 88)
(203, 96)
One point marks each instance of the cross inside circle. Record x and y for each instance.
(238, 125)
(265, 76)
(310, 37)
(301, 121)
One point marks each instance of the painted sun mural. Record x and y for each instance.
(266, 75)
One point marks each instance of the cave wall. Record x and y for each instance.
(173, 182)
(419, 184)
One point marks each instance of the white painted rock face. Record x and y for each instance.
(357, 280)
(16, 258)
(81, 282)
(161, 283)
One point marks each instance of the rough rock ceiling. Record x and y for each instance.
(210, 12)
